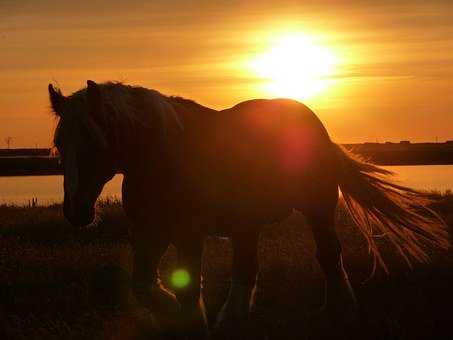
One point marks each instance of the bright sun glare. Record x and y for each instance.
(295, 67)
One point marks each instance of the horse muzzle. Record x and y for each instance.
(78, 214)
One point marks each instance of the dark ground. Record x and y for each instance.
(53, 285)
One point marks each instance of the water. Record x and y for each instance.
(49, 189)
(425, 177)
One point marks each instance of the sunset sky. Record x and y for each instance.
(383, 70)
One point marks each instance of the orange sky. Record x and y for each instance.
(395, 80)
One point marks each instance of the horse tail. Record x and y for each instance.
(380, 207)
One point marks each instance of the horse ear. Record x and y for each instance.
(56, 99)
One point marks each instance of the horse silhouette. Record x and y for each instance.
(191, 171)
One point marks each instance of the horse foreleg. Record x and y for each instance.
(148, 247)
(235, 311)
(188, 291)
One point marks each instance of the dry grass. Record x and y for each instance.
(50, 288)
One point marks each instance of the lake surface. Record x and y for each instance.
(49, 189)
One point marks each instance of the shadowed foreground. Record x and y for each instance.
(56, 282)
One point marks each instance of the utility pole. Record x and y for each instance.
(8, 141)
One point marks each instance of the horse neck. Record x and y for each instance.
(135, 150)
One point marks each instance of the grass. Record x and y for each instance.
(53, 280)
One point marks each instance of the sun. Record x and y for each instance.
(295, 67)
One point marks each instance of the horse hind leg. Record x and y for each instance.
(340, 302)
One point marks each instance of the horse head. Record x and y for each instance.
(83, 146)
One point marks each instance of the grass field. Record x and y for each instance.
(53, 280)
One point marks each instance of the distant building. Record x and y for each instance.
(405, 142)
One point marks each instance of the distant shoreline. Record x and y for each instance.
(405, 153)
(38, 162)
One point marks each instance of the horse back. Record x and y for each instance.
(252, 155)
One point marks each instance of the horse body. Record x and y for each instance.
(252, 162)
(190, 171)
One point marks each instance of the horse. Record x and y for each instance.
(190, 171)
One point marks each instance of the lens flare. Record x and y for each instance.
(180, 278)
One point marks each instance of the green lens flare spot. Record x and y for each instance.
(180, 278)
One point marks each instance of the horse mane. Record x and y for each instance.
(189, 103)
(128, 108)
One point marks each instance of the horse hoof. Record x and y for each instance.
(147, 325)
(161, 302)
(225, 334)
(229, 329)
(340, 306)
(193, 323)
